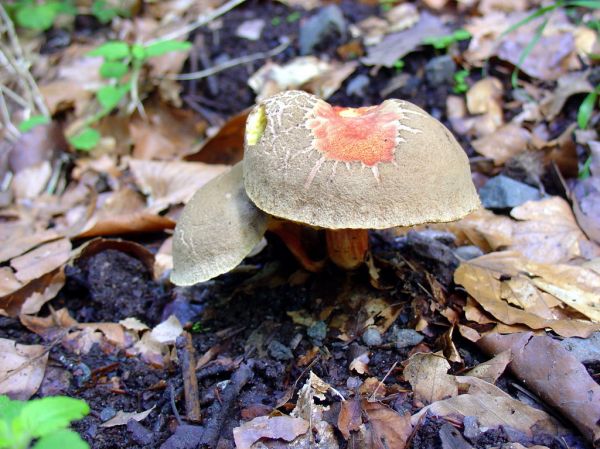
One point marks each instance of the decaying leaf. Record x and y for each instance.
(41, 260)
(427, 374)
(504, 143)
(22, 368)
(386, 428)
(490, 280)
(284, 428)
(29, 298)
(493, 408)
(553, 374)
(122, 418)
(491, 370)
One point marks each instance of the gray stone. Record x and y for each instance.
(406, 338)
(185, 437)
(372, 337)
(279, 351)
(317, 332)
(431, 248)
(440, 70)
(320, 26)
(502, 192)
(472, 430)
(584, 349)
(107, 413)
(357, 85)
(468, 252)
(139, 433)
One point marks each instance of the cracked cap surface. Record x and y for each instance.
(359, 168)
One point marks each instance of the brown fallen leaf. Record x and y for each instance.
(42, 260)
(491, 370)
(568, 85)
(487, 279)
(122, 418)
(29, 298)
(493, 408)
(22, 368)
(350, 417)
(386, 428)
(276, 427)
(171, 182)
(503, 144)
(555, 375)
(427, 374)
(226, 146)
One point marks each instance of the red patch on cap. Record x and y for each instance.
(366, 135)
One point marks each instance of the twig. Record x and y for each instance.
(382, 381)
(211, 435)
(172, 395)
(231, 63)
(200, 21)
(187, 358)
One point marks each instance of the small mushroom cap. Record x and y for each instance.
(365, 168)
(219, 226)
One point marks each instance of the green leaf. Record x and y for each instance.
(591, 4)
(32, 122)
(526, 51)
(461, 35)
(10, 409)
(37, 16)
(105, 12)
(113, 69)
(585, 172)
(85, 140)
(41, 417)
(61, 439)
(539, 13)
(162, 47)
(110, 96)
(111, 51)
(138, 52)
(584, 113)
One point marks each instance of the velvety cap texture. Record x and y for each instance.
(371, 167)
(218, 228)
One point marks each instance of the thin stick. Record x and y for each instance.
(231, 63)
(187, 359)
(383, 380)
(200, 21)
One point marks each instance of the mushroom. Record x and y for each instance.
(348, 170)
(219, 226)
(344, 170)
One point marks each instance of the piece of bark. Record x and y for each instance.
(552, 373)
(187, 359)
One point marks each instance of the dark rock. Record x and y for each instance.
(317, 332)
(431, 248)
(406, 338)
(107, 413)
(502, 192)
(357, 85)
(440, 70)
(468, 252)
(279, 351)
(316, 29)
(139, 433)
(372, 337)
(185, 437)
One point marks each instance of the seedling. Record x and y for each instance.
(121, 66)
(276, 21)
(386, 5)
(43, 422)
(310, 167)
(398, 65)
(41, 15)
(460, 81)
(293, 17)
(32, 122)
(443, 42)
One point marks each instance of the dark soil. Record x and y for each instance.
(241, 314)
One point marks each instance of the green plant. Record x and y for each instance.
(460, 81)
(543, 12)
(386, 5)
(443, 42)
(39, 15)
(399, 65)
(584, 114)
(32, 122)
(293, 17)
(44, 420)
(121, 67)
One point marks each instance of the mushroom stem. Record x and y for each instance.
(291, 234)
(347, 248)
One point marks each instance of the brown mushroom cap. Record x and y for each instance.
(217, 229)
(364, 168)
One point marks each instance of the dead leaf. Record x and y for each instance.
(41, 260)
(554, 374)
(388, 429)
(226, 146)
(122, 418)
(427, 374)
(569, 84)
(485, 279)
(397, 45)
(491, 370)
(31, 181)
(276, 427)
(503, 144)
(350, 417)
(493, 408)
(22, 368)
(171, 182)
